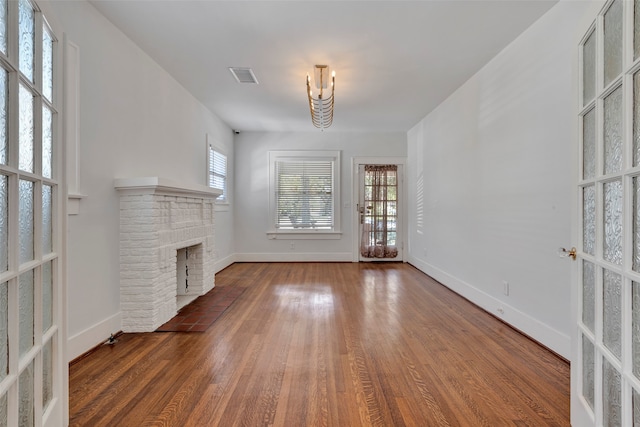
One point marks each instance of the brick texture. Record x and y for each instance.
(153, 227)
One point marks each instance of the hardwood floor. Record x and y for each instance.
(327, 344)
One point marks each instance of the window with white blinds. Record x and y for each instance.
(218, 172)
(304, 191)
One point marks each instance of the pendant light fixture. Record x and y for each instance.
(321, 107)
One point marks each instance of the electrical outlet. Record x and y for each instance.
(292, 246)
(505, 287)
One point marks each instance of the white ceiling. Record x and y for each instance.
(394, 60)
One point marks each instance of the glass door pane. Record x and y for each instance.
(635, 328)
(613, 132)
(612, 394)
(612, 313)
(588, 371)
(25, 310)
(588, 295)
(589, 220)
(26, 129)
(26, 38)
(4, 330)
(26, 221)
(613, 222)
(4, 223)
(589, 145)
(589, 69)
(26, 416)
(613, 42)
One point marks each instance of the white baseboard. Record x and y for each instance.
(553, 339)
(84, 341)
(295, 257)
(225, 262)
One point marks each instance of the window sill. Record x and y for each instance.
(304, 235)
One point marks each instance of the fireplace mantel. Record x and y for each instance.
(165, 187)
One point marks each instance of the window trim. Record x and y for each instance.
(274, 233)
(210, 146)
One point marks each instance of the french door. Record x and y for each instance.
(606, 362)
(378, 210)
(32, 360)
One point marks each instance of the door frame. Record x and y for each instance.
(355, 193)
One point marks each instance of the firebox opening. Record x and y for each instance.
(188, 271)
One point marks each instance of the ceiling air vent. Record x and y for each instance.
(243, 75)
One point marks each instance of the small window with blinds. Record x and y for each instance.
(304, 191)
(218, 172)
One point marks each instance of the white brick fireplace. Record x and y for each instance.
(159, 218)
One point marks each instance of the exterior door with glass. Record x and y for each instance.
(378, 210)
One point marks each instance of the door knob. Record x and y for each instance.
(568, 253)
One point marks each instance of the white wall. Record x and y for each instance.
(252, 190)
(499, 164)
(135, 120)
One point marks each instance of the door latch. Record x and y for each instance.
(568, 253)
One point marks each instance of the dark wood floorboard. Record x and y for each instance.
(327, 344)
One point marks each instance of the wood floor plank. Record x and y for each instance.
(327, 344)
